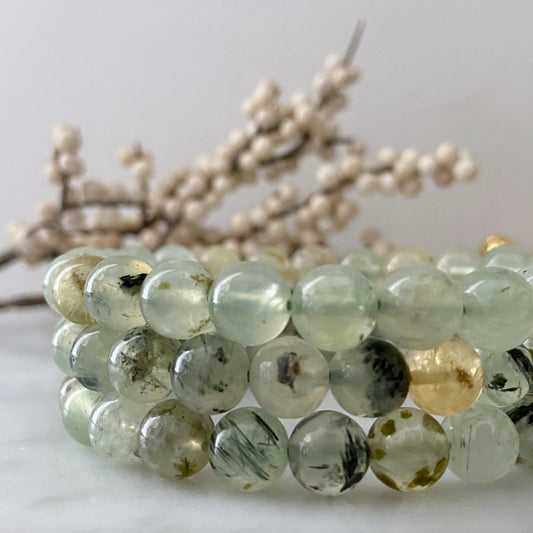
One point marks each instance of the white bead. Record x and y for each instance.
(237, 138)
(16, 232)
(326, 225)
(367, 182)
(248, 106)
(247, 161)
(402, 170)
(285, 192)
(345, 210)
(70, 164)
(126, 156)
(222, 184)
(212, 199)
(273, 205)
(288, 129)
(196, 184)
(299, 98)
(304, 217)
(276, 229)
(240, 223)
(142, 169)
(194, 210)
(258, 217)
(464, 170)
(309, 236)
(446, 154)
(172, 207)
(267, 116)
(351, 166)
(327, 175)
(262, 147)
(265, 90)
(304, 114)
(332, 60)
(387, 156)
(46, 211)
(52, 173)
(66, 138)
(426, 164)
(410, 157)
(319, 205)
(387, 183)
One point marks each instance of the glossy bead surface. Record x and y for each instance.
(174, 299)
(404, 256)
(289, 377)
(510, 256)
(210, 374)
(139, 365)
(171, 252)
(112, 292)
(419, 307)
(458, 262)
(248, 449)
(370, 379)
(447, 379)
(368, 262)
(334, 307)
(249, 303)
(498, 309)
(216, 258)
(483, 444)
(408, 450)
(522, 417)
(173, 440)
(328, 453)
(68, 286)
(64, 336)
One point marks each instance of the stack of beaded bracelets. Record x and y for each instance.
(154, 345)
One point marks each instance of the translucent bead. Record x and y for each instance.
(64, 336)
(508, 376)
(334, 307)
(77, 404)
(522, 417)
(419, 307)
(68, 384)
(404, 256)
(308, 258)
(408, 450)
(483, 444)
(215, 258)
(139, 365)
(289, 377)
(89, 357)
(138, 252)
(458, 262)
(368, 262)
(370, 379)
(171, 252)
(210, 374)
(498, 309)
(447, 379)
(328, 453)
(249, 303)
(114, 428)
(274, 257)
(174, 299)
(112, 292)
(173, 440)
(68, 285)
(510, 256)
(493, 241)
(248, 449)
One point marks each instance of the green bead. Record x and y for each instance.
(510, 256)
(334, 307)
(248, 449)
(139, 365)
(328, 453)
(420, 307)
(522, 417)
(289, 377)
(64, 336)
(112, 292)
(368, 262)
(408, 449)
(174, 299)
(498, 309)
(483, 444)
(210, 374)
(139, 252)
(171, 252)
(458, 262)
(173, 440)
(249, 303)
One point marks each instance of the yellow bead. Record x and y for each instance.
(445, 380)
(216, 258)
(406, 256)
(493, 241)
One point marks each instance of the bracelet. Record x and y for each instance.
(155, 345)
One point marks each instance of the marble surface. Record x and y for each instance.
(49, 483)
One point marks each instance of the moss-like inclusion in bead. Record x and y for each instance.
(328, 453)
(139, 365)
(68, 285)
(368, 262)
(509, 256)
(289, 377)
(408, 450)
(248, 449)
(370, 379)
(112, 292)
(173, 440)
(498, 309)
(483, 444)
(522, 417)
(334, 307)
(249, 303)
(172, 252)
(420, 307)
(210, 374)
(64, 336)
(174, 299)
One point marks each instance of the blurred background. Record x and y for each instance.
(172, 74)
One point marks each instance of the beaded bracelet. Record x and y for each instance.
(155, 345)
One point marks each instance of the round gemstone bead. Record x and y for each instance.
(328, 453)
(368, 262)
(447, 379)
(289, 377)
(174, 299)
(508, 376)
(171, 252)
(248, 449)
(249, 303)
(522, 417)
(64, 336)
(483, 444)
(210, 374)
(458, 262)
(370, 379)
(309, 257)
(334, 307)
(498, 309)
(173, 440)
(139, 252)
(68, 285)
(405, 256)
(419, 307)
(139, 365)
(510, 256)
(408, 450)
(215, 258)
(274, 257)
(112, 292)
